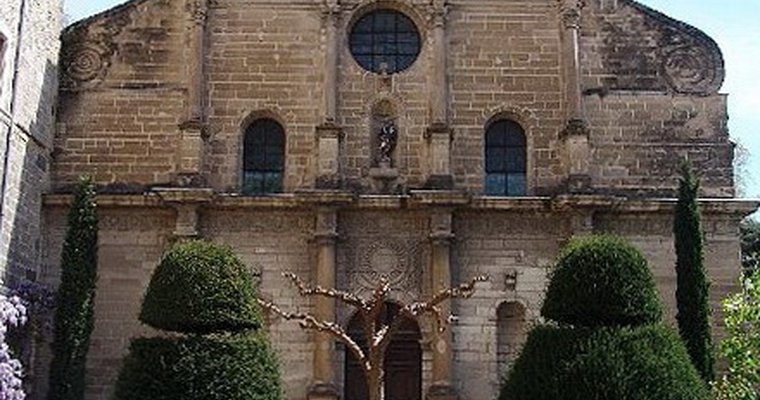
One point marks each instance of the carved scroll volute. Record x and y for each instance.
(691, 61)
(87, 51)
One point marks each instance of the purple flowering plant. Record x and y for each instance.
(24, 312)
(13, 313)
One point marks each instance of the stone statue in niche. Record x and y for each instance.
(387, 139)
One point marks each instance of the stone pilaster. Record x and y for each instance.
(329, 137)
(325, 235)
(193, 129)
(439, 138)
(575, 136)
(329, 134)
(439, 134)
(331, 17)
(441, 236)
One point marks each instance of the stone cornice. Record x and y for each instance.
(417, 200)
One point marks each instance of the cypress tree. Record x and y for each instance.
(74, 317)
(693, 314)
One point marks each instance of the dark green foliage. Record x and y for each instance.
(749, 232)
(200, 287)
(76, 295)
(630, 363)
(240, 367)
(204, 290)
(692, 288)
(602, 281)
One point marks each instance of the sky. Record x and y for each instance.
(732, 23)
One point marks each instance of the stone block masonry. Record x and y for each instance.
(29, 30)
(157, 97)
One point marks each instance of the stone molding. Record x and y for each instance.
(460, 201)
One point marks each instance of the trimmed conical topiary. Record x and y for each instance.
(200, 287)
(204, 292)
(238, 367)
(602, 281)
(609, 343)
(621, 363)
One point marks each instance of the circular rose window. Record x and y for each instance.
(385, 41)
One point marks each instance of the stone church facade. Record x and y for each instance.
(425, 141)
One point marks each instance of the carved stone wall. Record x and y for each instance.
(126, 92)
(633, 47)
(376, 246)
(123, 96)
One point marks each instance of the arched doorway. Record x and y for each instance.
(403, 361)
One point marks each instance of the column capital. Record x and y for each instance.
(570, 13)
(441, 231)
(198, 11)
(437, 16)
(574, 128)
(326, 227)
(439, 129)
(331, 11)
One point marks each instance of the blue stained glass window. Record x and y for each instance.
(506, 160)
(385, 39)
(263, 157)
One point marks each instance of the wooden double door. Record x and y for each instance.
(403, 361)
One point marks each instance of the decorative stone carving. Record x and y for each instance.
(87, 51)
(688, 65)
(87, 62)
(398, 259)
(393, 260)
(647, 50)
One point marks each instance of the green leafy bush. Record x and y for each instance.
(628, 363)
(200, 287)
(241, 367)
(609, 344)
(74, 314)
(741, 346)
(602, 281)
(203, 290)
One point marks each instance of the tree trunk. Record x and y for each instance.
(375, 377)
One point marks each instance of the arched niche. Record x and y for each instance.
(383, 127)
(511, 327)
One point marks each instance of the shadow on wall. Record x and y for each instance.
(25, 154)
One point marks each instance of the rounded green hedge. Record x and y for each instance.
(239, 367)
(200, 287)
(602, 281)
(624, 363)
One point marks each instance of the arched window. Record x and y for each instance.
(505, 159)
(263, 157)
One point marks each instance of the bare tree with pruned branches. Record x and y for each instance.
(377, 334)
